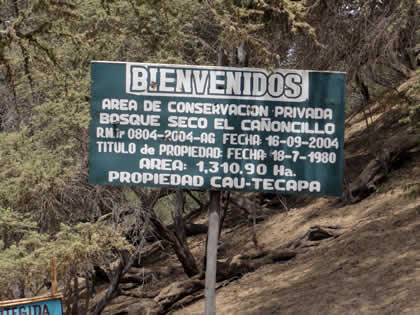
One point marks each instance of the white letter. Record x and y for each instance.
(293, 85)
(217, 86)
(259, 84)
(138, 79)
(233, 83)
(183, 81)
(106, 103)
(200, 82)
(276, 85)
(164, 79)
(113, 175)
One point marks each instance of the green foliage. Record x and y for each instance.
(165, 207)
(87, 243)
(412, 116)
(412, 190)
(76, 249)
(23, 264)
(45, 51)
(30, 169)
(412, 112)
(13, 226)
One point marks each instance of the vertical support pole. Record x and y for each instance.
(53, 276)
(211, 264)
(213, 232)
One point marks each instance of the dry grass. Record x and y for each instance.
(372, 268)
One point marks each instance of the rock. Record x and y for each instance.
(142, 292)
(128, 286)
(139, 278)
(318, 235)
(281, 255)
(260, 218)
(239, 265)
(132, 306)
(177, 291)
(145, 307)
(119, 305)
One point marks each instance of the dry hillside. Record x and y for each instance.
(358, 257)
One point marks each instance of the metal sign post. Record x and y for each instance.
(213, 235)
(211, 263)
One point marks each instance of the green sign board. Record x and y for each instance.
(47, 307)
(216, 128)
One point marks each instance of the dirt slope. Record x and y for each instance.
(372, 267)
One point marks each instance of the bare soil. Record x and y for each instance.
(371, 267)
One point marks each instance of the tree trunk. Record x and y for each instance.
(363, 89)
(179, 216)
(116, 277)
(225, 202)
(89, 291)
(75, 308)
(192, 229)
(21, 289)
(127, 260)
(181, 250)
(376, 170)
